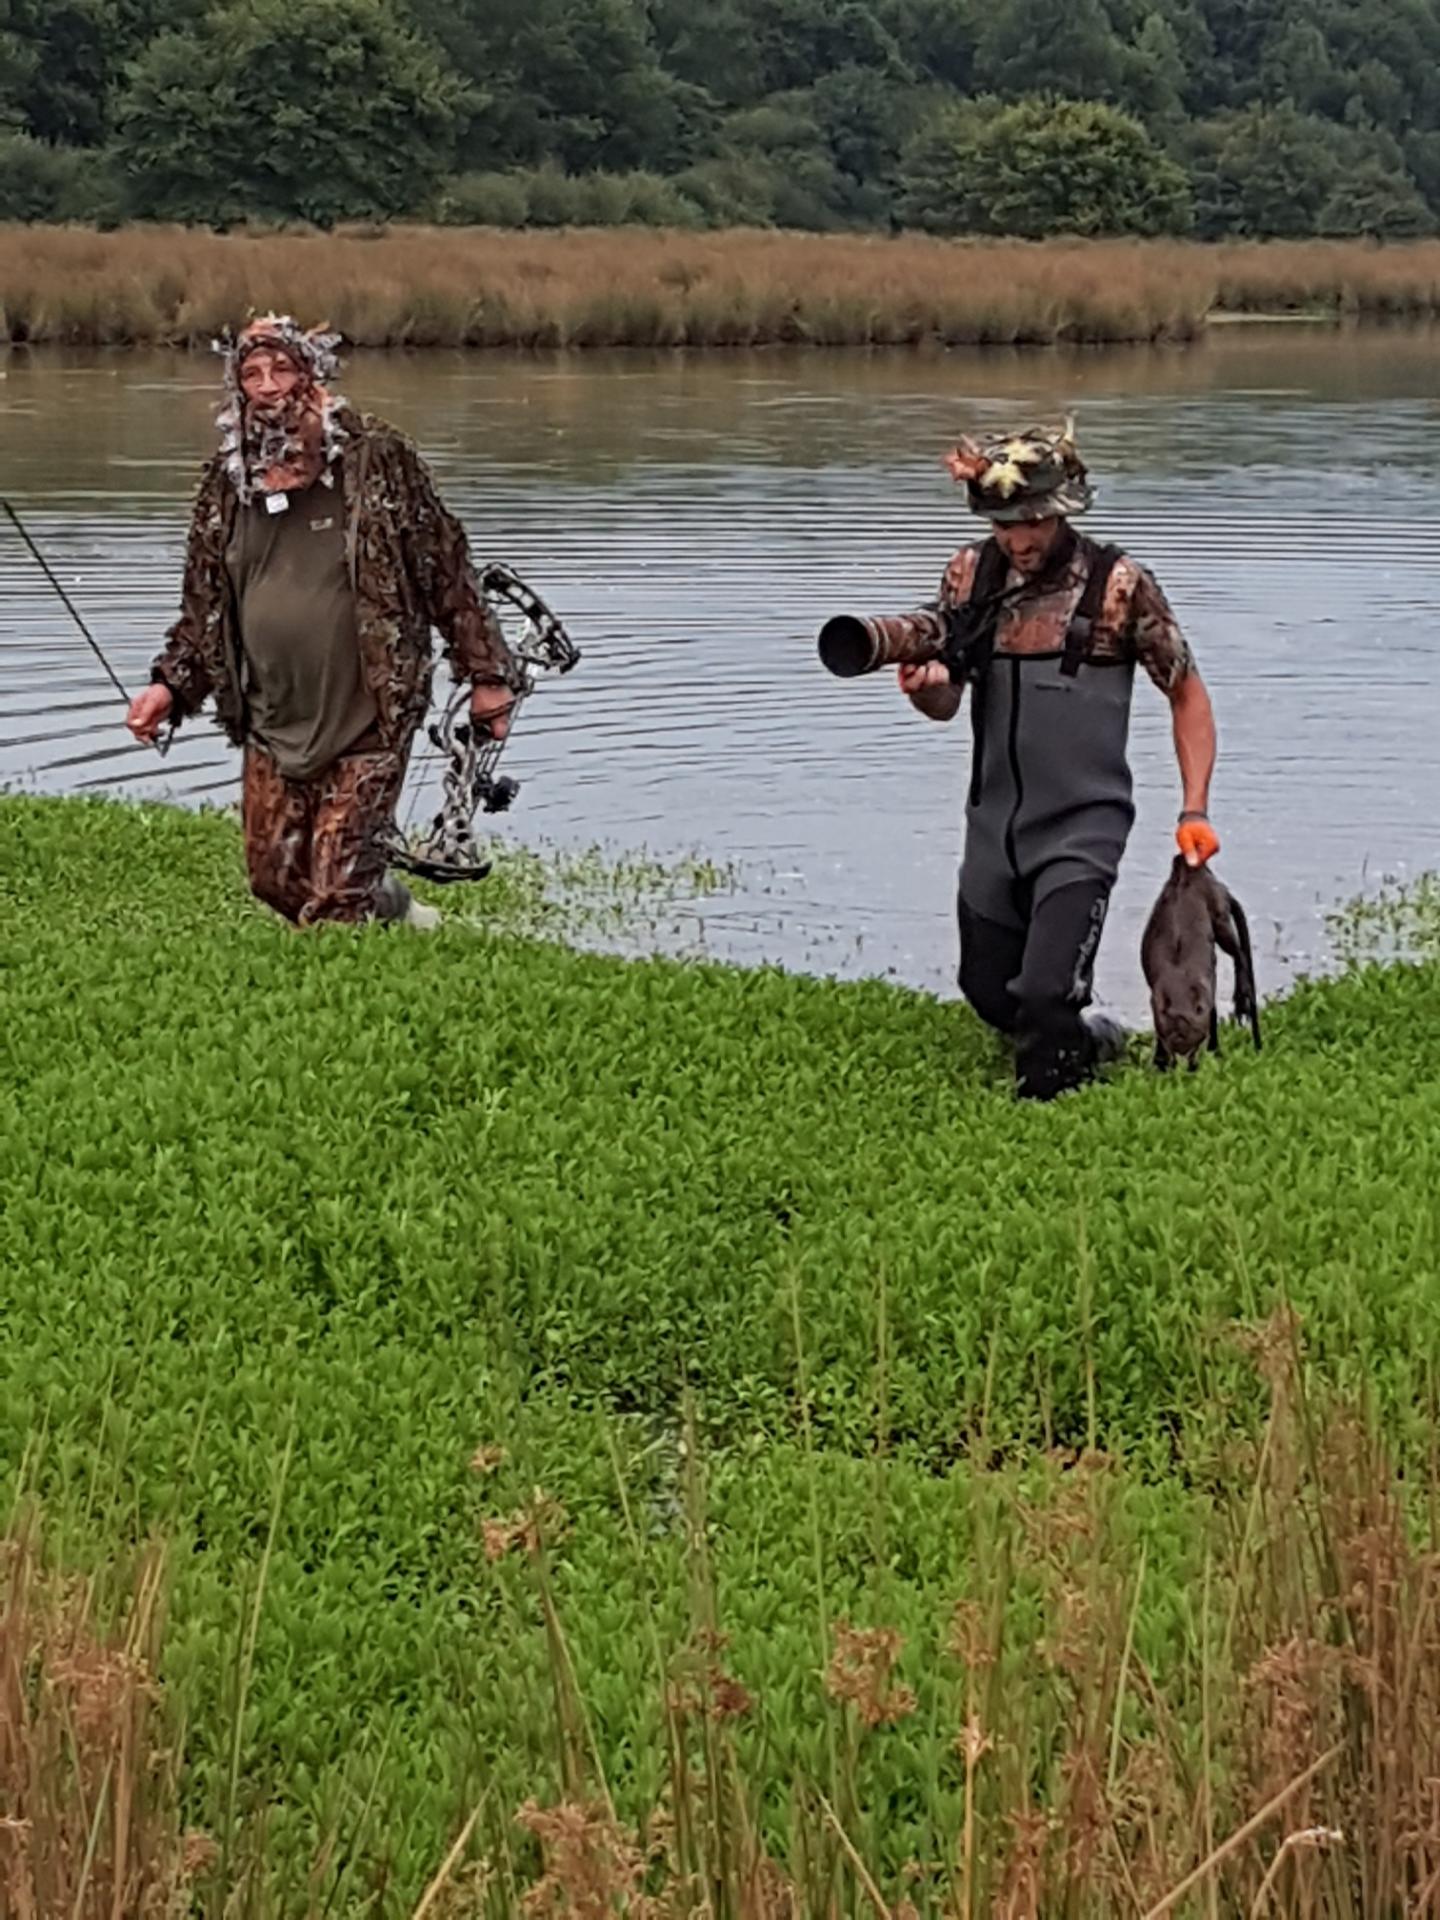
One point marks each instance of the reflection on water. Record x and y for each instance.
(693, 520)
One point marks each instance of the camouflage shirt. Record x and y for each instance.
(1135, 622)
(410, 568)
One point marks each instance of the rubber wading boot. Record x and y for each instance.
(1108, 1035)
(395, 904)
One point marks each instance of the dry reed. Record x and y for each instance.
(419, 287)
(88, 1822)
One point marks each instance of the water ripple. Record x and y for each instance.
(695, 523)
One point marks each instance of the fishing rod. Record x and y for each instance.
(160, 746)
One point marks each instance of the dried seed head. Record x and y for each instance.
(592, 1866)
(198, 1854)
(542, 1519)
(859, 1672)
(728, 1699)
(702, 1685)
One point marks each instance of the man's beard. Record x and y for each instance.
(281, 448)
(283, 445)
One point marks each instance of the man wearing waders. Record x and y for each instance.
(1055, 627)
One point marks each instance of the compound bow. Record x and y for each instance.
(448, 851)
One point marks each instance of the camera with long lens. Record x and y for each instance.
(851, 645)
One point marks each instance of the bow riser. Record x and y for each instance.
(448, 852)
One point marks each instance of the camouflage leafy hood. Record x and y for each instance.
(266, 452)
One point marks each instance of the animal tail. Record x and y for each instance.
(1247, 1003)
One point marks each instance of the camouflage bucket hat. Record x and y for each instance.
(1035, 475)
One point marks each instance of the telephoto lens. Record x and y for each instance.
(850, 646)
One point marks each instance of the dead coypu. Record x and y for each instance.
(1194, 915)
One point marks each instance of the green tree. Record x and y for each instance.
(710, 47)
(576, 82)
(1380, 96)
(1238, 31)
(777, 160)
(1277, 173)
(1290, 115)
(1421, 159)
(1041, 167)
(1297, 67)
(1031, 47)
(1260, 171)
(320, 110)
(864, 117)
(1374, 201)
(802, 40)
(938, 38)
(39, 181)
(17, 68)
(61, 61)
(1156, 79)
(72, 69)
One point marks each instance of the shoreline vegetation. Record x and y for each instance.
(1069, 1728)
(468, 1452)
(418, 287)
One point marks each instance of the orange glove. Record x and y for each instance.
(1196, 839)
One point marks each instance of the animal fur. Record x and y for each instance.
(1195, 915)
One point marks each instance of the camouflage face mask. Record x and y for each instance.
(1035, 475)
(264, 452)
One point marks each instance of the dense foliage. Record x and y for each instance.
(1211, 116)
(317, 1254)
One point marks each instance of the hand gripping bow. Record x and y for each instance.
(448, 850)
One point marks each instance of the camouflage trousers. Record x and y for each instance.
(312, 846)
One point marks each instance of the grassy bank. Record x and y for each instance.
(699, 1404)
(448, 287)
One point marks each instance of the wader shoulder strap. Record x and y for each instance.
(987, 590)
(1102, 563)
(992, 570)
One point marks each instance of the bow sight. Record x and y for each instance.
(448, 850)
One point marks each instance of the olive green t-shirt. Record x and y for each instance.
(296, 610)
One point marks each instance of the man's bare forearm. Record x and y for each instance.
(1193, 721)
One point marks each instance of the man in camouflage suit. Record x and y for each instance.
(1060, 626)
(319, 559)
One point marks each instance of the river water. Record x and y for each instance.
(694, 520)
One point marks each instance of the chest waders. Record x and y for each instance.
(1050, 800)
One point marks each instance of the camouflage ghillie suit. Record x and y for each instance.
(312, 846)
(410, 571)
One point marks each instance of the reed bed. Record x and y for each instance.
(421, 287)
